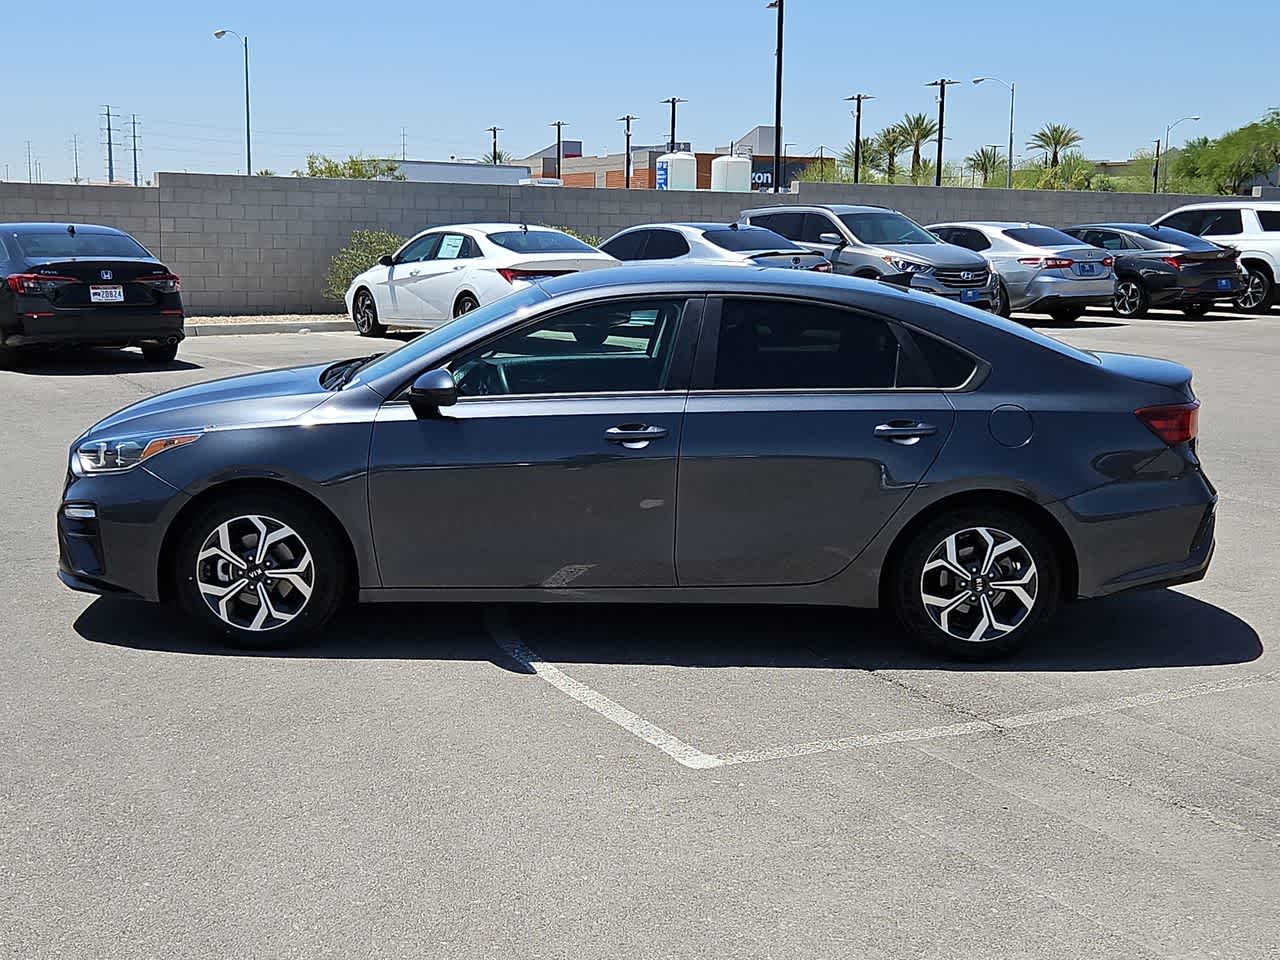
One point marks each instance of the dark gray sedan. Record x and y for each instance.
(660, 434)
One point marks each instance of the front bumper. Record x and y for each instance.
(973, 296)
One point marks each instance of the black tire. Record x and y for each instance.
(160, 352)
(364, 314)
(1131, 301)
(908, 584)
(1260, 293)
(1001, 306)
(1066, 314)
(1196, 310)
(465, 304)
(326, 575)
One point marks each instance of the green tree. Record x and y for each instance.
(848, 155)
(355, 167)
(918, 129)
(987, 161)
(1227, 164)
(1055, 139)
(264, 172)
(887, 146)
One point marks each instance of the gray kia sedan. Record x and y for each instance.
(658, 434)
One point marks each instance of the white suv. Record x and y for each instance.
(1250, 226)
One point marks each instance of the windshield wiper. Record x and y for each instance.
(340, 374)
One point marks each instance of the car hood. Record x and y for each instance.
(256, 398)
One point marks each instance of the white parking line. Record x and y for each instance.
(689, 756)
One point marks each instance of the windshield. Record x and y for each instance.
(749, 238)
(540, 241)
(1042, 237)
(1167, 236)
(418, 347)
(886, 228)
(58, 244)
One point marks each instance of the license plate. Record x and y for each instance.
(1087, 269)
(1224, 283)
(103, 293)
(970, 296)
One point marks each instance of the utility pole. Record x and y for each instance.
(626, 157)
(134, 126)
(559, 125)
(494, 131)
(1155, 170)
(31, 175)
(404, 144)
(671, 143)
(111, 144)
(75, 154)
(942, 119)
(858, 99)
(777, 101)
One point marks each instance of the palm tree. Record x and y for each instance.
(987, 161)
(887, 146)
(496, 156)
(918, 130)
(1055, 139)
(848, 154)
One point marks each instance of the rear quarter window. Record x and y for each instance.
(948, 366)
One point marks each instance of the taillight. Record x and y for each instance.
(1174, 423)
(1174, 262)
(162, 282)
(511, 276)
(1046, 263)
(823, 267)
(1108, 261)
(37, 284)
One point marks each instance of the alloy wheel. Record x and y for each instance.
(1128, 298)
(997, 300)
(1255, 294)
(364, 313)
(979, 584)
(255, 573)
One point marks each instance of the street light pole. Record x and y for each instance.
(671, 144)
(1013, 90)
(858, 99)
(942, 85)
(248, 153)
(559, 125)
(778, 5)
(1168, 130)
(626, 162)
(494, 131)
(1155, 170)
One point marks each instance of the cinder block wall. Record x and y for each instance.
(263, 244)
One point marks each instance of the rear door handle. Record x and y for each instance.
(905, 431)
(634, 436)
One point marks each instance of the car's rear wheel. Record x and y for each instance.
(160, 352)
(1196, 309)
(1257, 292)
(1000, 300)
(364, 314)
(1066, 314)
(259, 570)
(976, 583)
(465, 304)
(1131, 301)
(10, 357)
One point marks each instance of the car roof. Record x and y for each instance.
(1112, 226)
(492, 227)
(836, 208)
(666, 275)
(1241, 202)
(995, 224)
(46, 227)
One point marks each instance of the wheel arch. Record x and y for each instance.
(200, 501)
(1254, 257)
(463, 291)
(1025, 507)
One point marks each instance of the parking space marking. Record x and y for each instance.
(238, 363)
(504, 636)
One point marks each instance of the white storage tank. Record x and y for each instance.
(730, 173)
(676, 171)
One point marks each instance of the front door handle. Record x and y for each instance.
(634, 436)
(905, 432)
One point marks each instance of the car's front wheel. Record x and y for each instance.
(1000, 300)
(364, 314)
(974, 584)
(260, 570)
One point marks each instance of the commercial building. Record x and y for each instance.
(450, 171)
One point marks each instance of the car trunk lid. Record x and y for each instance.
(78, 278)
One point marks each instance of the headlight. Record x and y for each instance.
(907, 266)
(93, 457)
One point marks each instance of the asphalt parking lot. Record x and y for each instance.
(642, 782)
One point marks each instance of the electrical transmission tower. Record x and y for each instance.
(133, 124)
(75, 155)
(109, 140)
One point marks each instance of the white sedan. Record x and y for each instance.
(445, 272)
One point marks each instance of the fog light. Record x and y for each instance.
(79, 512)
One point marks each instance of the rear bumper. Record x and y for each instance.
(116, 327)
(1059, 291)
(1206, 293)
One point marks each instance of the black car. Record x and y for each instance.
(660, 434)
(1163, 267)
(71, 284)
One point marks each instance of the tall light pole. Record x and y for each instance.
(671, 144)
(248, 154)
(559, 125)
(858, 98)
(942, 85)
(493, 132)
(1013, 90)
(1168, 130)
(626, 158)
(1155, 170)
(778, 5)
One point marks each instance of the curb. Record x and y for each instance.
(342, 325)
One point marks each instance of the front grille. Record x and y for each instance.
(962, 278)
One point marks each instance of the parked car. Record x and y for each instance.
(1038, 269)
(659, 434)
(445, 272)
(73, 284)
(874, 242)
(1163, 267)
(712, 243)
(1252, 227)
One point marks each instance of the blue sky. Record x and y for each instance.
(342, 77)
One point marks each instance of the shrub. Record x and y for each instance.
(590, 239)
(361, 252)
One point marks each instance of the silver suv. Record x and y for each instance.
(874, 242)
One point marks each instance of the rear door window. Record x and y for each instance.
(969, 239)
(665, 245)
